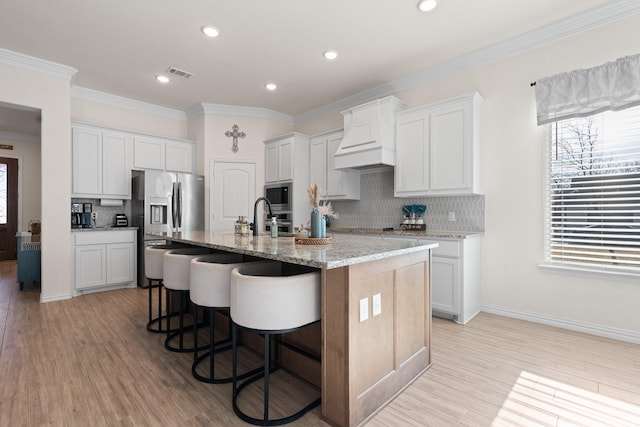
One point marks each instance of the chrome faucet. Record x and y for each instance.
(254, 224)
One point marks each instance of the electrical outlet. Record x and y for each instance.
(377, 305)
(364, 309)
(452, 216)
(94, 216)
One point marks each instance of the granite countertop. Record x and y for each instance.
(435, 234)
(344, 250)
(103, 228)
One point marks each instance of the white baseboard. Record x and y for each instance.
(588, 328)
(55, 298)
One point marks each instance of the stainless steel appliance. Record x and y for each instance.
(87, 209)
(76, 215)
(279, 196)
(164, 202)
(283, 219)
(121, 220)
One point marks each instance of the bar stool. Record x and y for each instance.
(177, 278)
(210, 288)
(153, 271)
(266, 301)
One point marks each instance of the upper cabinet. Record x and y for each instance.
(337, 184)
(170, 155)
(286, 157)
(438, 148)
(101, 163)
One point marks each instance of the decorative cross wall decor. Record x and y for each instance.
(235, 134)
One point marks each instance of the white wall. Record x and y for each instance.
(208, 131)
(512, 143)
(129, 119)
(30, 173)
(50, 94)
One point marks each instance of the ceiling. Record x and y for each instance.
(119, 46)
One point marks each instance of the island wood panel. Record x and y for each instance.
(365, 364)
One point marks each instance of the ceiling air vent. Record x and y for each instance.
(178, 72)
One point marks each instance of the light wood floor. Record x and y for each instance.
(90, 361)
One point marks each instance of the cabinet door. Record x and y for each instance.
(86, 161)
(120, 263)
(271, 162)
(148, 153)
(90, 266)
(445, 285)
(318, 164)
(285, 160)
(450, 148)
(412, 151)
(116, 161)
(179, 156)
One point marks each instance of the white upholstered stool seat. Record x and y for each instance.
(268, 301)
(210, 287)
(153, 271)
(176, 271)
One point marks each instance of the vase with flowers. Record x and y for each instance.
(320, 213)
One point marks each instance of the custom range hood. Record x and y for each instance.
(369, 135)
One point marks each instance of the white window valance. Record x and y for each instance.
(611, 86)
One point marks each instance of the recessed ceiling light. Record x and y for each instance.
(162, 79)
(210, 31)
(427, 5)
(271, 86)
(330, 55)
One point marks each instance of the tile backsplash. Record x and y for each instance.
(377, 208)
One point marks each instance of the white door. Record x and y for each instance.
(233, 193)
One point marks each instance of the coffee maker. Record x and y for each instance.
(87, 208)
(76, 215)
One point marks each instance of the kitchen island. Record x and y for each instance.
(375, 332)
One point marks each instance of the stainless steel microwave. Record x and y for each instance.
(279, 195)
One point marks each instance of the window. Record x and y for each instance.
(593, 192)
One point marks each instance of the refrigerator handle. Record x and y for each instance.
(174, 206)
(180, 207)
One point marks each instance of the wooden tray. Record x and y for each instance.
(314, 240)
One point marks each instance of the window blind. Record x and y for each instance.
(593, 192)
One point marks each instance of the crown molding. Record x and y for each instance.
(598, 16)
(122, 102)
(19, 137)
(239, 111)
(31, 63)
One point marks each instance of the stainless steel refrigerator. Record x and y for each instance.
(164, 202)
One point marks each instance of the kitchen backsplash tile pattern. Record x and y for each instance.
(378, 208)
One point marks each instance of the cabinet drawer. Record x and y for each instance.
(103, 237)
(446, 248)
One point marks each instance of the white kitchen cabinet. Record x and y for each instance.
(151, 152)
(337, 184)
(104, 259)
(455, 278)
(101, 163)
(287, 158)
(283, 155)
(438, 148)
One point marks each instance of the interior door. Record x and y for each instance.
(8, 207)
(233, 193)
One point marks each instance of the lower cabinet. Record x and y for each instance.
(104, 259)
(455, 278)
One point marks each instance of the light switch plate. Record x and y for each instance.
(377, 305)
(364, 309)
